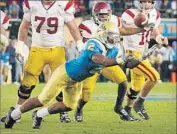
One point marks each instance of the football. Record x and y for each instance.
(139, 19)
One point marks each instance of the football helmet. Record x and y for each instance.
(101, 12)
(109, 35)
(146, 5)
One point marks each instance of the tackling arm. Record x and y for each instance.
(128, 62)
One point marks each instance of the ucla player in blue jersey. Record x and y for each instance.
(98, 53)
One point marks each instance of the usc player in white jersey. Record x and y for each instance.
(136, 45)
(102, 12)
(47, 18)
(4, 25)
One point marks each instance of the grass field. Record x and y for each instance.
(99, 117)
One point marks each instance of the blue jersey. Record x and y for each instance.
(83, 67)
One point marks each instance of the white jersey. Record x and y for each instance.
(4, 20)
(48, 22)
(89, 29)
(137, 42)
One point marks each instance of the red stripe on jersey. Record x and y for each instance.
(69, 4)
(118, 19)
(84, 27)
(26, 4)
(130, 13)
(158, 15)
(6, 19)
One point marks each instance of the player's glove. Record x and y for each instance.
(80, 45)
(161, 40)
(4, 40)
(148, 53)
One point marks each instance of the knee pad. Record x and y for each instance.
(25, 92)
(131, 94)
(59, 97)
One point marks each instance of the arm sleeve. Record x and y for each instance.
(68, 17)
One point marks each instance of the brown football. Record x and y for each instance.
(139, 18)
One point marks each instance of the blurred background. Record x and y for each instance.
(164, 59)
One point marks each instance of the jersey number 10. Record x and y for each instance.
(52, 22)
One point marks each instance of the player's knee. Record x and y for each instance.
(123, 85)
(24, 92)
(132, 94)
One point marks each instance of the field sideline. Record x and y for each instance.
(99, 117)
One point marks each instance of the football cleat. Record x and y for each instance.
(130, 114)
(64, 118)
(3, 119)
(78, 115)
(36, 120)
(140, 110)
(9, 121)
(123, 114)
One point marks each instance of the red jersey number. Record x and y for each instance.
(52, 22)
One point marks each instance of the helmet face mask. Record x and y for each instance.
(146, 5)
(101, 12)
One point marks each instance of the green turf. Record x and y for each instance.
(99, 117)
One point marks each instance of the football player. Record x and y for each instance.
(137, 45)
(98, 53)
(47, 18)
(4, 26)
(102, 12)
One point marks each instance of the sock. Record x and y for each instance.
(121, 94)
(18, 106)
(16, 114)
(128, 109)
(42, 112)
(140, 99)
(81, 105)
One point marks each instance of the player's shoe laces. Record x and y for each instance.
(64, 118)
(123, 114)
(78, 115)
(36, 120)
(139, 108)
(9, 121)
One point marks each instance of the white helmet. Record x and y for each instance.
(109, 35)
(146, 5)
(101, 12)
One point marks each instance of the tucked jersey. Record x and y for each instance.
(89, 29)
(137, 42)
(4, 20)
(48, 22)
(83, 67)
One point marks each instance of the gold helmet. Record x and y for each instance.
(109, 35)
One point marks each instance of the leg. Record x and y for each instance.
(64, 118)
(152, 76)
(117, 75)
(88, 86)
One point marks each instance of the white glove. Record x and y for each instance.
(20, 48)
(148, 53)
(120, 61)
(161, 40)
(80, 45)
(4, 40)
